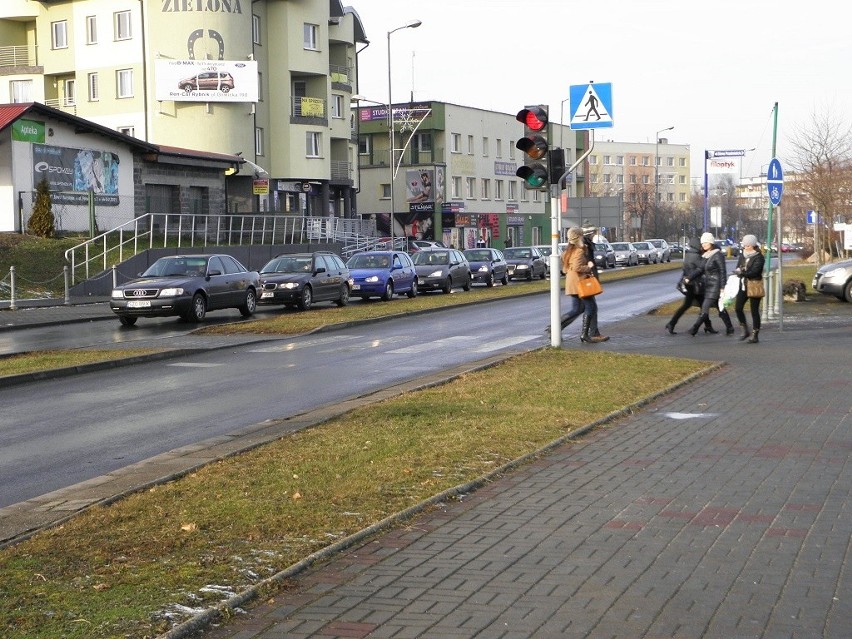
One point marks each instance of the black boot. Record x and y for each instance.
(670, 329)
(701, 319)
(584, 336)
(753, 338)
(708, 327)
(746, 333)
(729, 327)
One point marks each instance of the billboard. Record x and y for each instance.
(206, 80)
(79, 170)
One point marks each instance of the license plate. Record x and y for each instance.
(266, 294)
(356, 287)
(139, 304)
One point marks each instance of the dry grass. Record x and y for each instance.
(21, 363)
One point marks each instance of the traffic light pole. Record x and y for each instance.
(555, 232)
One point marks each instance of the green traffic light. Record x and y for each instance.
(534, 176)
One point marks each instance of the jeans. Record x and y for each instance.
(575, 309)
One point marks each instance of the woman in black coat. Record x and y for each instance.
(694, 295)
(749, 267)
(714, 272)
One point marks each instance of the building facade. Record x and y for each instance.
(268, 80)
(453, 175)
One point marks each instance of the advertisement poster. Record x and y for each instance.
(206, 80)
(79, 170)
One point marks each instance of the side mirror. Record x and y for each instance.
(321, 269)
(212, 273)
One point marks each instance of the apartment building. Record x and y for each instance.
(268, 80)
(453, 175)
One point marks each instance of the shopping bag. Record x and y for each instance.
(729, 293)
(589, 287)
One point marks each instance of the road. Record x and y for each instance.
(60, 432)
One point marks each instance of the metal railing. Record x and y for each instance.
(178, 230)
(18, 56)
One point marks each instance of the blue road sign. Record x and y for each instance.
(775, 181)
(591, 106)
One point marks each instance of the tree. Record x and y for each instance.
(41, 222)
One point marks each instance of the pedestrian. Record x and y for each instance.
(750, 269)
(694, 293)
(712, 268)
(573, 263)
(591, 303)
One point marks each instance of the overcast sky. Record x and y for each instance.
(713, 70)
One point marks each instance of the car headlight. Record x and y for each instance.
(289, 285)
(117, 293)
(437, 273)
(522, 266)
(171, 292)
(372, 279)
(483, 269)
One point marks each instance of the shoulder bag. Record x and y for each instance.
(754, 288)
(589, 287)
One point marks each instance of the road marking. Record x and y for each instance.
(496, 345)
(431, 346)
(194, 365)
(690, 415)
(308, 343)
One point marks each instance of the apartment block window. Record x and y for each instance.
(313, 141)
(669, 161)
(619, 179)
(607, 179)
(593, 178)
(632, 160)
(94, 93)
(259, 86)
(121, 25)
(471, 188)
(619, 160)
(607, 159)
(524, 195)
(485, 147)
(59, 35)
(385, 188)
(365, 145)
(646, 179)
(513, 190)
(681, 179)
(70, 92)
(255, 29)
(681, 197)
(258, 141)
(486, 189)
(311, 33)
(456, 192)
(21, 91)
(536, 196)
(337, 106)
(593, 159)
(470, 145)
(499, 147)
(498, 189)
(124, 83)
(455, 143)
(632, 179)
(91, 30)
(681, 162)
(645, 161)
(127, 130)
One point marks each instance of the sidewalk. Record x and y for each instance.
(720, 510)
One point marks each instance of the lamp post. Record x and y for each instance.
(413, 24)
(656, 174)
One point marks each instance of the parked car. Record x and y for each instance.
(208, 81)
(604, 255)
(677, 249)
(646, 253)
(525, 263)
(427, 244)
(545, 250)
(625, 254)
(302, 279)
(664, 251)
(187, 286)
(382, 274)
(487, 265)
(441, 269)
(835, 279)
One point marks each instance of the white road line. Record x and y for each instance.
(318, 341)
(496, 345)
(194, 365)
(431, 346)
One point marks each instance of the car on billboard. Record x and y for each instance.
(208, 81)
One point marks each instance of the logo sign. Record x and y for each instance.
(28, 131)
(731, 153)
(775, 181)
(591, 106)
(260, 187)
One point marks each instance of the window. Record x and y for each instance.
(499, 147)
(470, 145)
(681, 179)
(313, 145)
(124, 83)
(471, 188)
(121, 25)
(59, 35)
(632, 178)
(607, 159)
(619, 179)
(486, 189)
(337, 106)
(21, 90)
(619, 160)
(91, 30)
(593, 160)
(669, 161)
(365, 145)
(258, 141)
(456, 188)
(645, 161)
(681, 197)
(385, 188)
(485, 147)
(70, 92)
(255, 29)
(498, 189)
(94, 94)
(513, 190)
(646, 179)
(311, 37)
(607, 178)
(632, 160)
(127, 130)
(594, 178)
(681, 162)
(455, 143)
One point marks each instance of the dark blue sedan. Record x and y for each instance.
(382, 274)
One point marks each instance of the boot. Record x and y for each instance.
(597, 339)
(584, 336)
(753, 338)
(746, 333)
(701, 319)
(729, 327)
(708, 327)
(670, 329)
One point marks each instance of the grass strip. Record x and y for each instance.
(38, 361)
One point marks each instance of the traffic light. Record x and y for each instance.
(556, 164)
(534, 146)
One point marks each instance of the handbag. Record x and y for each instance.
(754, 288)
(589, 287)
(682, 286)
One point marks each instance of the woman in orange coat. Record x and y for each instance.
(574, 262)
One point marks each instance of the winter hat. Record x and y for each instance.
(575, 236)
(707, 238)
(750, 240)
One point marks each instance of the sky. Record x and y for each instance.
(712, 70)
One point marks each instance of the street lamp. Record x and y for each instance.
(656, 174)
(413, 24)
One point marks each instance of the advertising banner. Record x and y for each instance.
(206, 80)
(78, 170)
(28, 131)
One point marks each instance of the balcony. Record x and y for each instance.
(309, 111)
(341, 77)
(341, 172)
(62, 104)
(17, 57)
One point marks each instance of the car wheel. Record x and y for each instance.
(543, 275)
(343, 300)
(198, 309)
(448, 285)
(529, 275)
(490, 281)
(307, 299)
(847, 292)
(412, 292)
(388, 294)
(505, 280)
(466, 285)
(127, 320)
(248, 309)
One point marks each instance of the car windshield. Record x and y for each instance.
(288, 264)
(474, 255)
(177, 267)
(600, 247)
(369, 261)
(546, 250)
(431, 257)
(656, 243)
(620, 247)
(642, 246)
(517, 253)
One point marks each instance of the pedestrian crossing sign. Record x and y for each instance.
(591, 106)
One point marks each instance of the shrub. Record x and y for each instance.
(41, 222)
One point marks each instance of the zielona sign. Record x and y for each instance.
(28, 131)
(195, 6)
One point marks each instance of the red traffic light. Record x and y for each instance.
(535, 147)
(534, 117)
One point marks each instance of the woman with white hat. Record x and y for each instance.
(715, 275)
(574, 263)
(750, 269)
